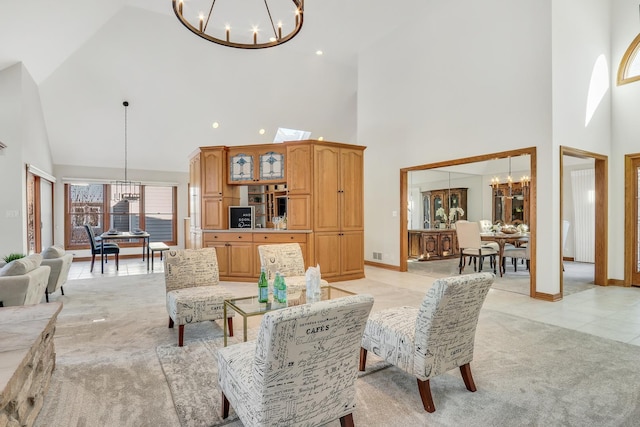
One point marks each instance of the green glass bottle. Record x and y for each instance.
(277, 287)
(263, 286)
(283, 290)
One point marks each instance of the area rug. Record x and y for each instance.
(527, 373)
(192, 375)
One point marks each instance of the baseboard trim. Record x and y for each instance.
(547, 297)
(618, 282)
(381, 265)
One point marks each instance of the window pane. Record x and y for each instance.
(158, 213)
(125, 215)
(85, 207)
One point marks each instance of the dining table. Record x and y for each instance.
(126, 235)
(502, 239)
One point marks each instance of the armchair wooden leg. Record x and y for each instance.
(425, 394)
(347, 421)
(363, 358)
(229, 323)
(62, 289)
(180, 335)
(46, 294)
(170, 323)
(461, 264)
(465, 370)
(225, 407)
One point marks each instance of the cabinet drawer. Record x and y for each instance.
(226, 237)
(279, 237)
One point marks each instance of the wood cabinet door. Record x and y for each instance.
(240, 259)
(326, 184)
(213, 215)
(242, 166)
(270, 166)
(352, 252)
(299, 169)
(222, 253)
(213, 162)
(327, 253)
(351, 190)
(299, 212)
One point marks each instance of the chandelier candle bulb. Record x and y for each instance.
(201, 22)
(255, 36)
(228, 30)
(279, 30)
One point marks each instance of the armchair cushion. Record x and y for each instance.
(21, 266)
(190, 305)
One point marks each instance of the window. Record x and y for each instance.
(155, 212)
(629, 70)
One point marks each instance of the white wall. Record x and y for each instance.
(23, 130)
(625, 129)
(470, 78)
(581, 34)
(64, 173)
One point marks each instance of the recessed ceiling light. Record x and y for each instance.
(319, 52)
(321, 138)
(261, 131)
(215, 125)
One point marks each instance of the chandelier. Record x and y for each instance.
(524, 185)
(125, 190)
(201, 19)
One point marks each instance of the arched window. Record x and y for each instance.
(629, 70)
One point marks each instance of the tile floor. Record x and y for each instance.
(611, 312)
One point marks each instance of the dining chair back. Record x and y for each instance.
(102, 247)
(470, 245)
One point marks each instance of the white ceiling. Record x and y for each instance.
(87, 56)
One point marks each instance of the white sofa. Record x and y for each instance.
(60, 263)
(23, 281)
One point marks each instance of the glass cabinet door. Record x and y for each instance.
(426, 213)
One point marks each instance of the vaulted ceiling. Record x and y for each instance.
(87, 56)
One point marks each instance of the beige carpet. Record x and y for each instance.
(537, 378)
(108, 373)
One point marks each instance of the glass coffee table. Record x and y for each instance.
(249, 306)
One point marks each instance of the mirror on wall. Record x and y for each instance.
(482, 187)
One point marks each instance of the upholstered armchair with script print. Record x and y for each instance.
(191, 278)
(434, 338)
(301, 371)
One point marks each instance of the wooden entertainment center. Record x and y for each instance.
(323, 185)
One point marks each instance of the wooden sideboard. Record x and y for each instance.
(433, 244)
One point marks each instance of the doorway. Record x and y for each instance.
(487, 158)
(632, 210)
(600, 215)
(39, 210)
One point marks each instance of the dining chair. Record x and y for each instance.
(516, 253)
(302, 368)
(97, 248)
(434, 338)
(470, 245)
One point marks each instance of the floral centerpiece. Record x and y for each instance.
(455, 214)
(441, 215)
(522, 228)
